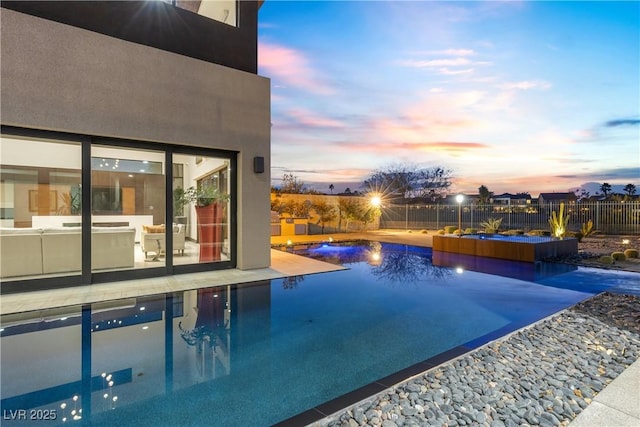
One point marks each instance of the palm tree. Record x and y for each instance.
(484, 195)
(331, 187)
(606, 189)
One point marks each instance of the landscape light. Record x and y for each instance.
(459, 199)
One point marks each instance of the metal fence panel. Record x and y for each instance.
(607, 217)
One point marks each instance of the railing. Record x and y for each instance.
(607, 217)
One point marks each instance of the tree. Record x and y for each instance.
(484, 195)
(324, 211)
(606, 189)
(331, 187)
(290, 184)
(582, 194)
(629, 189)
(349, 210)
(409, 181)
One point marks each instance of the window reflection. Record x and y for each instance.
(225, 11)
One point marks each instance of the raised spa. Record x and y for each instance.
(515, 248)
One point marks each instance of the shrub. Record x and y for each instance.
(514, 233)
(491, 225)
(441, 233)
(539, 233)
(631, 253)
(605, 259)
(471, 231)
(618, 256)
(449, 229)
(457, 232)
(409, 231)
(423, 231)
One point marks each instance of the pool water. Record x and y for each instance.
(259, 353)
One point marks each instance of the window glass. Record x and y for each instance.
(40, 208)
(221, 10)
(201, 209)
(127, 208)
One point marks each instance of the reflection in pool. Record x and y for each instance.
(258, 353)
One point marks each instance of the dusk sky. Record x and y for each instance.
(518, 96)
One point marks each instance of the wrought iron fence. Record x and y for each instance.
(607, 217)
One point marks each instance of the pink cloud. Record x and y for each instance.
(308, 118)
(290, 67)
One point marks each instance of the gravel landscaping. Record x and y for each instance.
(544, 375)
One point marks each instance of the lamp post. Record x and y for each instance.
(459, 199)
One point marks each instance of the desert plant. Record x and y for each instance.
(423, 231)
(559, 222)
(586, 229)
(449, 229)
(605, 259)
(491, 225)
(631, 253)
(470, 231)
(618, 256)
(441, 232)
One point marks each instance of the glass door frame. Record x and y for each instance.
(88, 277)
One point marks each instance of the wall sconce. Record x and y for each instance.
(258, 164)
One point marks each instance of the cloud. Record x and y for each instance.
(434, 63)
(622, 122)
(308, 118)
(446, 52)
(526, 85)
(448, 72)
(289, 67)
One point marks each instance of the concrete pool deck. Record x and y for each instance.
(618, 405)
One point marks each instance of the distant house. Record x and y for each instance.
(568, 197)
(512, 199)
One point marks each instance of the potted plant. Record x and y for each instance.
(209, 203)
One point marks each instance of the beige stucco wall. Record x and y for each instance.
(62, 78)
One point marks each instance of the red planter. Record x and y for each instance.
(210, 231)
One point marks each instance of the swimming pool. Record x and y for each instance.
(259, 353)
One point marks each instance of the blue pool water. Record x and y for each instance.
(259, 353)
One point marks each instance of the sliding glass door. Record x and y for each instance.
(202, 209)
(128, 212)
(79, 210)
(40, 205)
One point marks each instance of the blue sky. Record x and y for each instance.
(517, 96)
